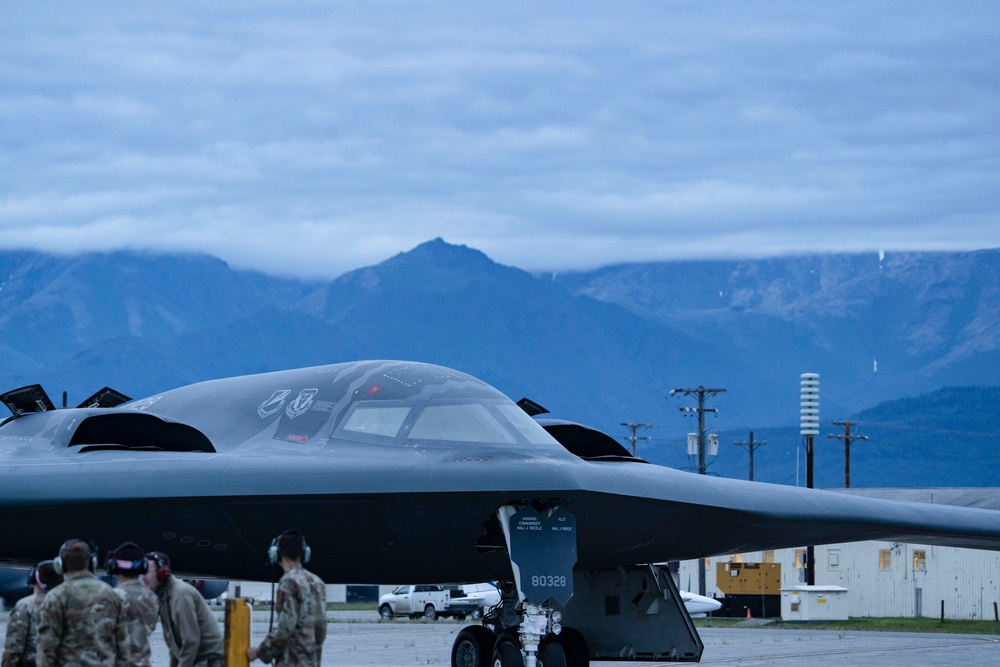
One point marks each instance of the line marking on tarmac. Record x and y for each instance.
(811, 654)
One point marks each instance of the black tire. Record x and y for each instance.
(508, 635)
(476, 614)
(507, 654)
(473, 647)
(550, 654)
(574, 647)
(430, 613)
(385, 611)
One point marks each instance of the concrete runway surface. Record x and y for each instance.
(355, 639)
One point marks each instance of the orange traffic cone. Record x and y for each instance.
(749, 615)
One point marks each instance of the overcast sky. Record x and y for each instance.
(304, 139)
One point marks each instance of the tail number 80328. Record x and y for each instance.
(548, 580)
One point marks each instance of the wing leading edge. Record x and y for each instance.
(718, 516)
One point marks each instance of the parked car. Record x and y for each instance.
(427, 600)
(432, 601)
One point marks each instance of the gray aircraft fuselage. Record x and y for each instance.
(394, 472)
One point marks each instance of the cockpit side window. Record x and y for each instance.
(462, 422)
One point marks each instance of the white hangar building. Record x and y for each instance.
(886, 579)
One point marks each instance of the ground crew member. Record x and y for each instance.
(21, 643)
(297, 638)
(81, 622)
(193, 636)
(139, 604)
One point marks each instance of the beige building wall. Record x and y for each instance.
(885, 579)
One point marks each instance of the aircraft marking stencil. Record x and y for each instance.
(543, 550)
(302, 403)
(273, 404)
(404, 472)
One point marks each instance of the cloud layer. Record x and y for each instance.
(303, 139)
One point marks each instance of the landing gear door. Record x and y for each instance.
(542, 551)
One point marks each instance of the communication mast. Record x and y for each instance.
(809, 429)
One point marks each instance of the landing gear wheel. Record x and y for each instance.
(574, 647)
(430, 613)
(551, 654)
(472, 647)
(385, 611)
(507, 654)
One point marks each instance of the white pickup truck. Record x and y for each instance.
(432, 601)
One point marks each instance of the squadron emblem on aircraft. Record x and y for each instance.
(301, 404)
(273, 404)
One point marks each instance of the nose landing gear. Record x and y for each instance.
(524, 629)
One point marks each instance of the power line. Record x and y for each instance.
(906, 426)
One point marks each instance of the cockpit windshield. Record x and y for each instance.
(466, 422)
(482, 422)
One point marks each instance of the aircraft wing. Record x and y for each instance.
(394, 471)
(711, 516)
(400, 471)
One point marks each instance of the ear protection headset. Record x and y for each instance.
(272, 551)
(162, 569)
(115, 565)
(57, 562)
(35, 579)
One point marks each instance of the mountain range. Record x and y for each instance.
(602, 347)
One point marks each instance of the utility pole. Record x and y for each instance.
(751, 445)
(633, 426)
(701, 393)
(848, 439)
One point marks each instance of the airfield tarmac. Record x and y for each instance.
(356, 639)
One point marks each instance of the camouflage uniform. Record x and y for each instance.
(140, 607)
(22, 632)
(81, 624)
(297, 639)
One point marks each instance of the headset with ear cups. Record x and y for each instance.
(57, 562)
(116, 565)
(162, 567)
(41, 576)
(272, 551)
